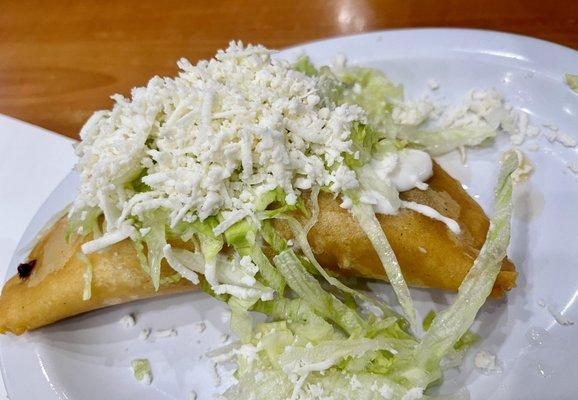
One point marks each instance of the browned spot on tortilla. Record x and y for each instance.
(25, 269)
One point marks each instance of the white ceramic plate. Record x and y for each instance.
(88, 357)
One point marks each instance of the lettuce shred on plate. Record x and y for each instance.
(196, 169)
(142, 371)
(572, 81)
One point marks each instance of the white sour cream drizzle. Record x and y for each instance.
(413, 168)
(430, 212)
(405, 170)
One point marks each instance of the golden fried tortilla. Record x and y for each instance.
(430, 255)
(53, 290)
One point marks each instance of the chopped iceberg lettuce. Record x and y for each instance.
(87, 276)
(380, 360)
(155, 241)
(270, 276)
(572, 81)
(142, 371)
(140, 252)
(241, 322)
(438, 142)
(176, 262)
(374, 92)
(366, 218)
(83, 223)
(272, 237)
(300, 236)
(304, 320)
(242, 237)
(451, 324)
(308, 288)
(368, 143)
(304, 64)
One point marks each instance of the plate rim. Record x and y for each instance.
(435, 30)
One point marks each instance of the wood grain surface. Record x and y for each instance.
(61, 60)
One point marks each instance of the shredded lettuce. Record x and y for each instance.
(273, 203)
(319, 345)
(317, 341)
(364, 140)
(330, 88)
(313, 208)
(572, 81)
(176, 262)
(300, 236)
(272, 384)
(318, 358)
(140, 253)
(451, 324)
(438, 142)
(304, 64)
(303, 319)
(231, 279)
(308, 288)
(142, 371)
(272, 237)
(428, 319)
(155, 241)
(381, 191)
(134, 181)
(270, 276)
(374, 92)
(83, 223)
(211, 246)
(241, 321)
(467, 339)
(87, 276)
(367, 220)
(377, 95)
(171, 279)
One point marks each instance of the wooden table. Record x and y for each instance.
(60, 60)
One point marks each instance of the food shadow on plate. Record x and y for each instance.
(104, 326)
(100, 338)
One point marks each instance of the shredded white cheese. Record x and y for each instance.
(486, 362)
(166, 333)
(524, 169)
(433, 84)
(412, 113)
(108, 239)
(211, 141)
(128, 321)
(178, 266)
(144, 334)
(413, 394)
